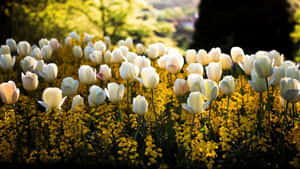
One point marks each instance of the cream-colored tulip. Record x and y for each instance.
(129, 71)
(149, 77)
(247, 64)
(195, 103)
(174, 63)
(124, 51)
(107, 41)
(121, 42)
(4, 49)
(28, 64)
(108, 58)
(191, 56)
(257, 83)
(69, 41)
(77, 103)
(39, 66)
(180, 87)
(52, 98)
(290, 89)
(129, 43)
(12, 44)
(117, 56)
(140, 105)
(74, 35)
(210, 89)
(132, 57)
(153, 51)
(293, 72)
(202, 57)
(43, 42)
(104, 73)
(142, 62)
(161, 48)
(214, 71)
(54, 44)
(49, 72)
(226, 61)
(9, 92)
(276, 76)
(69, 86)
(100, 46)
(96, 57)
(46, 52)
(77, 51)
(276, 57)
(87, 51)
(36, 53)
(140, 48)
(194, 82)
(87, 74)
(162, 61)
(263, 66)
(7, 61)
(97, 96)
(227, 85)
(23, 48)
(237, 54)
(30, 81)
(195, 68)
(285, 65)
(115, 92)
(214, 54)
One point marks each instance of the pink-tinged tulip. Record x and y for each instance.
(9, 92)
(104, 73)
(30, 81)
(180, 87)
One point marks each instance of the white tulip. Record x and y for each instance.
(209, 89)
(276, 76)
(214, 71)
(4, 49)
(77, 51)
(9, 93)
(7, 61)
(43, 42)
(129, 43)
(36, 53)
(87, 74)
(174, 63)
(97, 96)
(149, 77)
(202, 57)
(153, 51)
(87, 51)
(12, 45)
(96, 57)
(290, 89)
(100, 46)
(142, 62)
(52, 98)
(46, 52)
(191, 56)
(276, 57)
(140, 48)
(293, 72)
(129, 71)
(121, 43)
(180, 87)
(30, 81)
(74, 35)
(214, 54)
(247, 64)
(77, 103)
(104, 73)
(195, 103)
(227, 85)
(69, 86)
(23, 48)
(49, 72)
(195, 68)
(257, 83)
(161, 49)
(124, 51)
(194, 82)
(237, 54)
(115, 92)
(39, 66)
(28, 64)
(117, 56)
(263, 66)
(132, 57)
(226, 61)
(54, 44)
(108, 57)
(140, 105)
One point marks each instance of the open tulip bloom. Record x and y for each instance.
(52, 99)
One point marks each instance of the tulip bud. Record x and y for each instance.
(12, 45)
(214, 71)
(23, 48)
(214, 54)
(142, 62)
(52, 98)
(149, 77)
(7, 62)
(174, 63)
(237, 54)
(140, 105)
(129, 71)
(202, 57)
(191, 56)
(104, 73)
(100, 46)
(276, 57)
(36, 53)
(247, 64)
(49, 72)
(153, 51)
(87, 74)
(77, 51)
(263, 66)
(30, 81)
(129, 43)
(28, 64)
(209, 89)
(195, 68)
(290, 89)
(117, 56)
(46, 52)
(43, 42)
(226, 62)
(194, 82)
(77, 103)
(257, 83)
(96, 57)
(9, 92)
(180, 87)
(227, 85)
(140, 48)
(4, 49)
(195, 103)
(54, 44)
(69, 86)
(115, 92)
(97, 96)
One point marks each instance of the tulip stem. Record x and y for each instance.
(228, 99)
(128, 101)
(138, 128)
(192, 125)
(268, 104)
(153, 106)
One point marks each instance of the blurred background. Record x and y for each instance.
(251, 24)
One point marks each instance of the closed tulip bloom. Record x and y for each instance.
(174, 63)
(226, 61)
(162, 61)
(39, 66)
(132, 57)
(191, 56)
(9, 92)
(140, 105)
(52, 98)
(290, 89)
(77, 103)
(149, 77)
(161, 48)
(87, 51)
(293, 72)
(227, 85)
(12, 45)
(194, 82)
(49, 72)
(23, 48)
(104, 73)
(129, 43)
(87, 74)
(4, 49)
(247, 64)
(195, 68)
(153, 51)
(214, 54)
(257, 83)
(46, 52)
(209, 89)
(36, 53)
(140, 48)
(237, 54)
(214, 71)
(124, 51)
(115, 92)
(129, 71)
(7, 61)
(69, 86)
(54, 44)
(180, 87)
(263, 66)
(96, 57)
(97, 96)
(276, 57)
(74, 35)
(276, 76)
(43, 42)
(77, 51)
(285, 65)
(69, 41)
(117, 56)
(203, 57)
(108, 57)
(195, 103)
(121, 43)
(28, 64)
(87, 37)
(100, 46)
(142, 62)
(30, 81)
